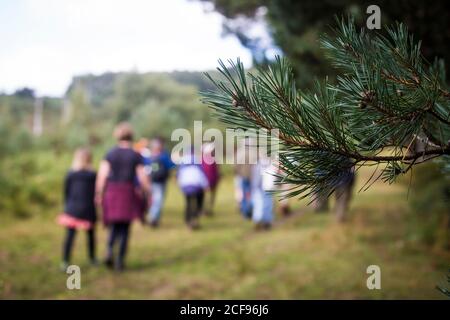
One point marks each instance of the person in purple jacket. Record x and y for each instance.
(121, 198)
(212, 172)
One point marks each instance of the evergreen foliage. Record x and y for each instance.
(386, 98)
(445, 290)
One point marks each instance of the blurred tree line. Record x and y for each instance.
(297, 25)
(32, 167)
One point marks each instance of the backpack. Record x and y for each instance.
(158, 170)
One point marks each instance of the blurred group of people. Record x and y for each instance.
(197, 178)
(131, 185)
(255, 184)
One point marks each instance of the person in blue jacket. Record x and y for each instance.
(159, 165)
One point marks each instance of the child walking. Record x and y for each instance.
(160, 165)
(79, 207)
(193, 183)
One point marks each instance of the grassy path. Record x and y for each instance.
(305, 256)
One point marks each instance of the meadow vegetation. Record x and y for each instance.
(305, 256)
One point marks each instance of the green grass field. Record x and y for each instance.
(307, 256)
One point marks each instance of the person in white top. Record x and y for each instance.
(193, 183)
(263, 184)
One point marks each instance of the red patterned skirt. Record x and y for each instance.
(122, 202)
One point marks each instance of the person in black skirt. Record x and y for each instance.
(79, 207)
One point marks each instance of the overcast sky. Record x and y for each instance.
(45, 42)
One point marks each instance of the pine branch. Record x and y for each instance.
(434, 114)
(388, 95)
(444, 290)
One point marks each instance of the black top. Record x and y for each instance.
(79, 193)
(123, 162)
